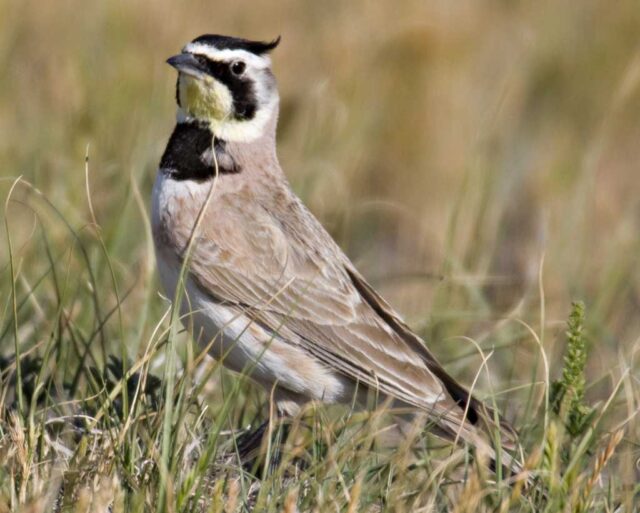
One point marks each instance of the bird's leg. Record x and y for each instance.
(274, 455)
(249, 444)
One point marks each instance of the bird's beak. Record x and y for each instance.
(187, 63)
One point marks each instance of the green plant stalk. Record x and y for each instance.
(14, 301)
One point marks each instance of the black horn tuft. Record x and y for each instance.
(236, 43)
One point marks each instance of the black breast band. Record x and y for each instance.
(189, 154)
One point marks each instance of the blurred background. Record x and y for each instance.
(478, 160)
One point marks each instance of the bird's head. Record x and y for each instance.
(227, 83)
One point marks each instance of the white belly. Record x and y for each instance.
(227, 335)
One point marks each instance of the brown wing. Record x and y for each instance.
(296, 281)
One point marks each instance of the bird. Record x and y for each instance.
(259, 280)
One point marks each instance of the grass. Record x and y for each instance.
(478, 161)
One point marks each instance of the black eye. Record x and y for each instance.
(238, 67)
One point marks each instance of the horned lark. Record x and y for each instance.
(267, 287)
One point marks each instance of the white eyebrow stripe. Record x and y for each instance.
(228, 54)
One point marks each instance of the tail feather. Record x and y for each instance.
(472, 421)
